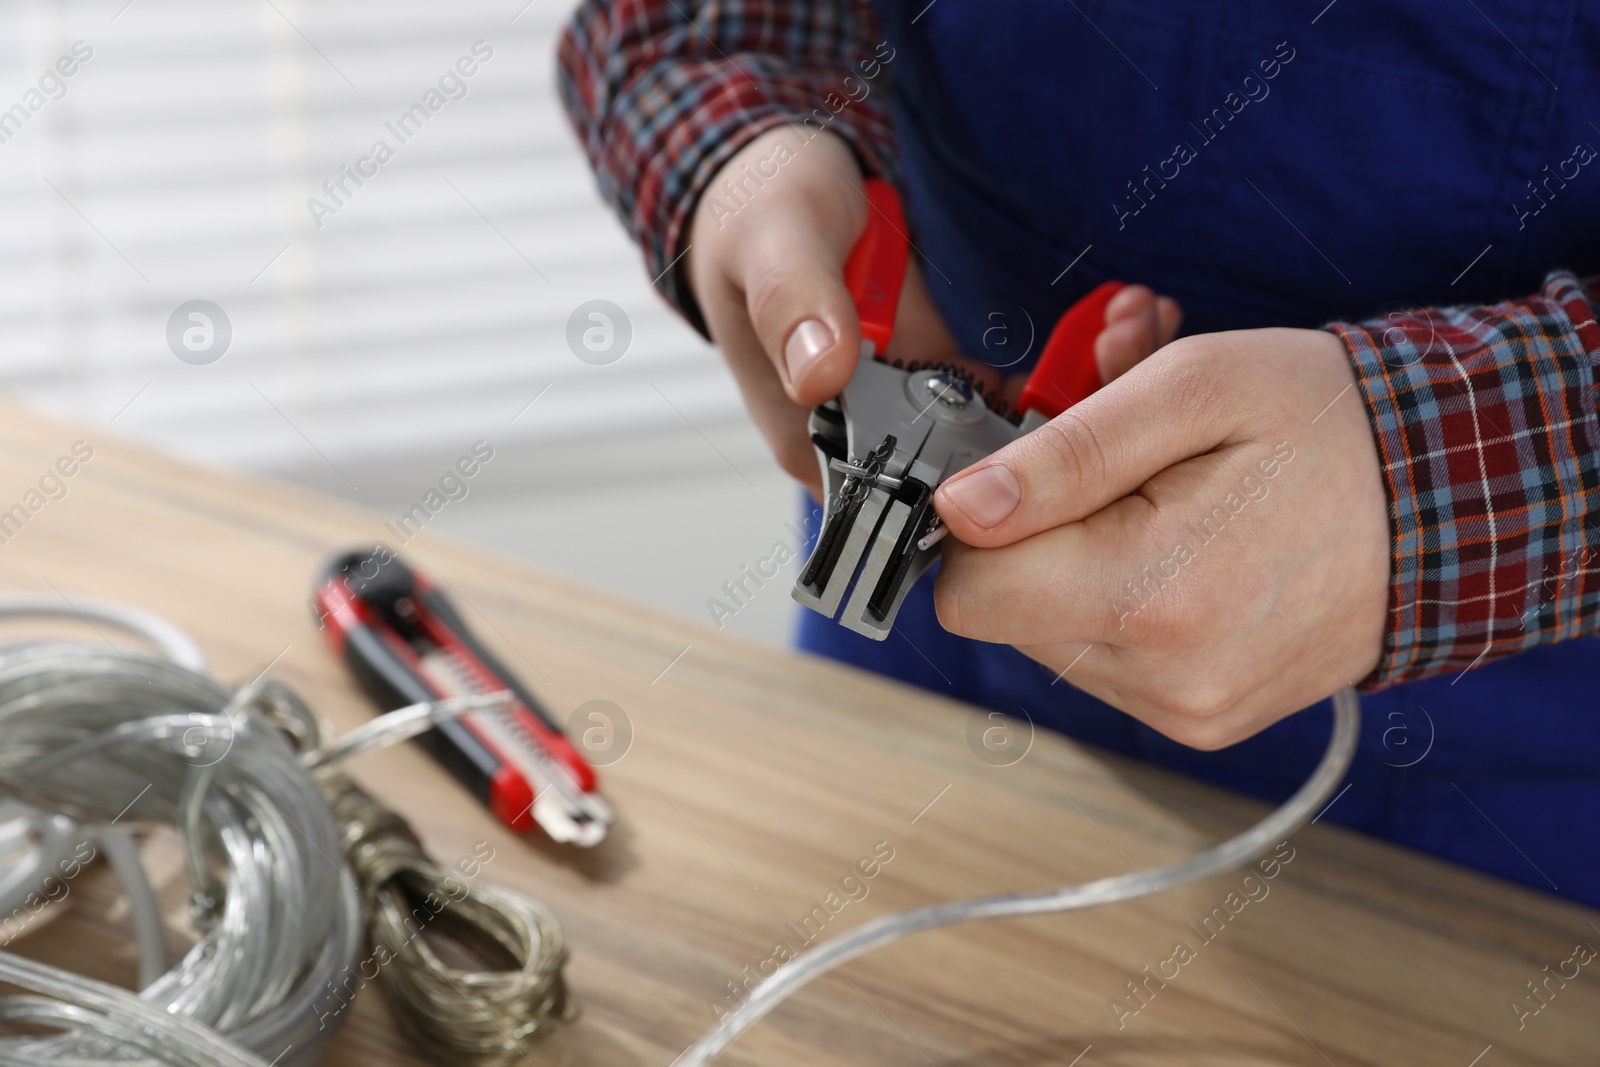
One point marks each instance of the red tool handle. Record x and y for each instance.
(1067, 371)
(877, 265)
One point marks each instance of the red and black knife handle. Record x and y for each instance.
(388, 670)
(391, 684)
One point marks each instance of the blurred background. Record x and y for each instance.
(371, 341)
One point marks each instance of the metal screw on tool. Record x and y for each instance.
(950, 391)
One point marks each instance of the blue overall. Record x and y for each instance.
(1267, 166)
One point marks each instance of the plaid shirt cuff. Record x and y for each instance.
(663, 92)
(1485, 419)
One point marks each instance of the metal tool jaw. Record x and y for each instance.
(885, 445)
(895, 434)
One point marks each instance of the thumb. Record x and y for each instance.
(793, 280)
(1162, 412)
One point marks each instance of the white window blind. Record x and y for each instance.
(426, 311)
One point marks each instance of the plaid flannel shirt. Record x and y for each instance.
(663, 92)
(1487, 433)
(1484, 416)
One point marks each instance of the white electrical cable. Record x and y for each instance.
(101, 734)
(123, 855)
(37, 846)
(173, 642)
(43, 845)
(402, 724)
(232, 771)
(1227, 856)
(81, 729)
(115, 1017)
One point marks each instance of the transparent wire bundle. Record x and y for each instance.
(104, 734)
(107, 735)
(1227, 856)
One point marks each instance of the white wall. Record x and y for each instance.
(423, 315)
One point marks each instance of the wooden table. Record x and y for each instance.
(757, 779)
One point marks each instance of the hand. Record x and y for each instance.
(769, 280)
(1137, 324)
(1204, 543)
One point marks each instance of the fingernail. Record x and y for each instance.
(985, 496)
(806, 344)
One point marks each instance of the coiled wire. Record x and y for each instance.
(41, 845)
(104, 734)
(484, 1016)
(1231, 854)
(82, 732)
(454, 1015)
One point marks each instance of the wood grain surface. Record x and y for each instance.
(757, 780)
